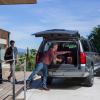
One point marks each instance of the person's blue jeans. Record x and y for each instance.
(44, 68)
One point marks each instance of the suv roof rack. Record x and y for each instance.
(56, 30)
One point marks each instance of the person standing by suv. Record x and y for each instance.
(12, 53)
(44, 61)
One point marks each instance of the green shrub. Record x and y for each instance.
(28, 54)
(30, 60)
(33, 51)
(18, 66)
(21, 56)
(30, 64)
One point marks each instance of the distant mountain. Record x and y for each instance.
(22, 50)
(19, 53)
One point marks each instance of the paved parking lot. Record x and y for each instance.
(63, 89)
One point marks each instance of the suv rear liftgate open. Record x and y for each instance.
(63, 69)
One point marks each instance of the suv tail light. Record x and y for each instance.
(82, 58)
(37, 57)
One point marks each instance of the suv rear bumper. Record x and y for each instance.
(65, 74)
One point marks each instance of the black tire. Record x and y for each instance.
(49, 80)
(98, 72)
(89, 80)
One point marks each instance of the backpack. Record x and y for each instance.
(8, 52)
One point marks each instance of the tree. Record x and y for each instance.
(28, 54)
(33, 51)
(81, 36)
(94, 37)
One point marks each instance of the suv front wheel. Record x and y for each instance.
(89, 80)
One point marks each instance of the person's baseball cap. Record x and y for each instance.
(12, 41)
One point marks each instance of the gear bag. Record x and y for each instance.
(70, 59)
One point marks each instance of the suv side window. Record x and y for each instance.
(47, 46)
(95, 50)
(85, 45)
(92, 48)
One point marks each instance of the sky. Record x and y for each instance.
(24, 20)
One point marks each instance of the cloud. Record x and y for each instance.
(68, 20)
(44, 0)
(15, 35)
(70, 17)
(3, 24)
(3, 21)
(84, 26)
(24, 33)
(33, 29)
(45, 21)
(3, 17)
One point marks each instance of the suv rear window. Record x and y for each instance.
(69, 45)
(85, 45)
(61, 45)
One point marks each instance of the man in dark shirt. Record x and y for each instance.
(12, 53)
(44, 61)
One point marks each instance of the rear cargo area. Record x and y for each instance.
(65, 64)
(65, 57)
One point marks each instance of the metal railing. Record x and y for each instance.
(14, 75)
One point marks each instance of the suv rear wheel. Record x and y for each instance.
(89, 80)
(98, 72)
(49, 80)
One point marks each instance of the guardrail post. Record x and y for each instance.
(14, 76)
(14, 79)
(0, 71)
(24, 78)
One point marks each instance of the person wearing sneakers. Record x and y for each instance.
(44, 62)
(12, 53)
